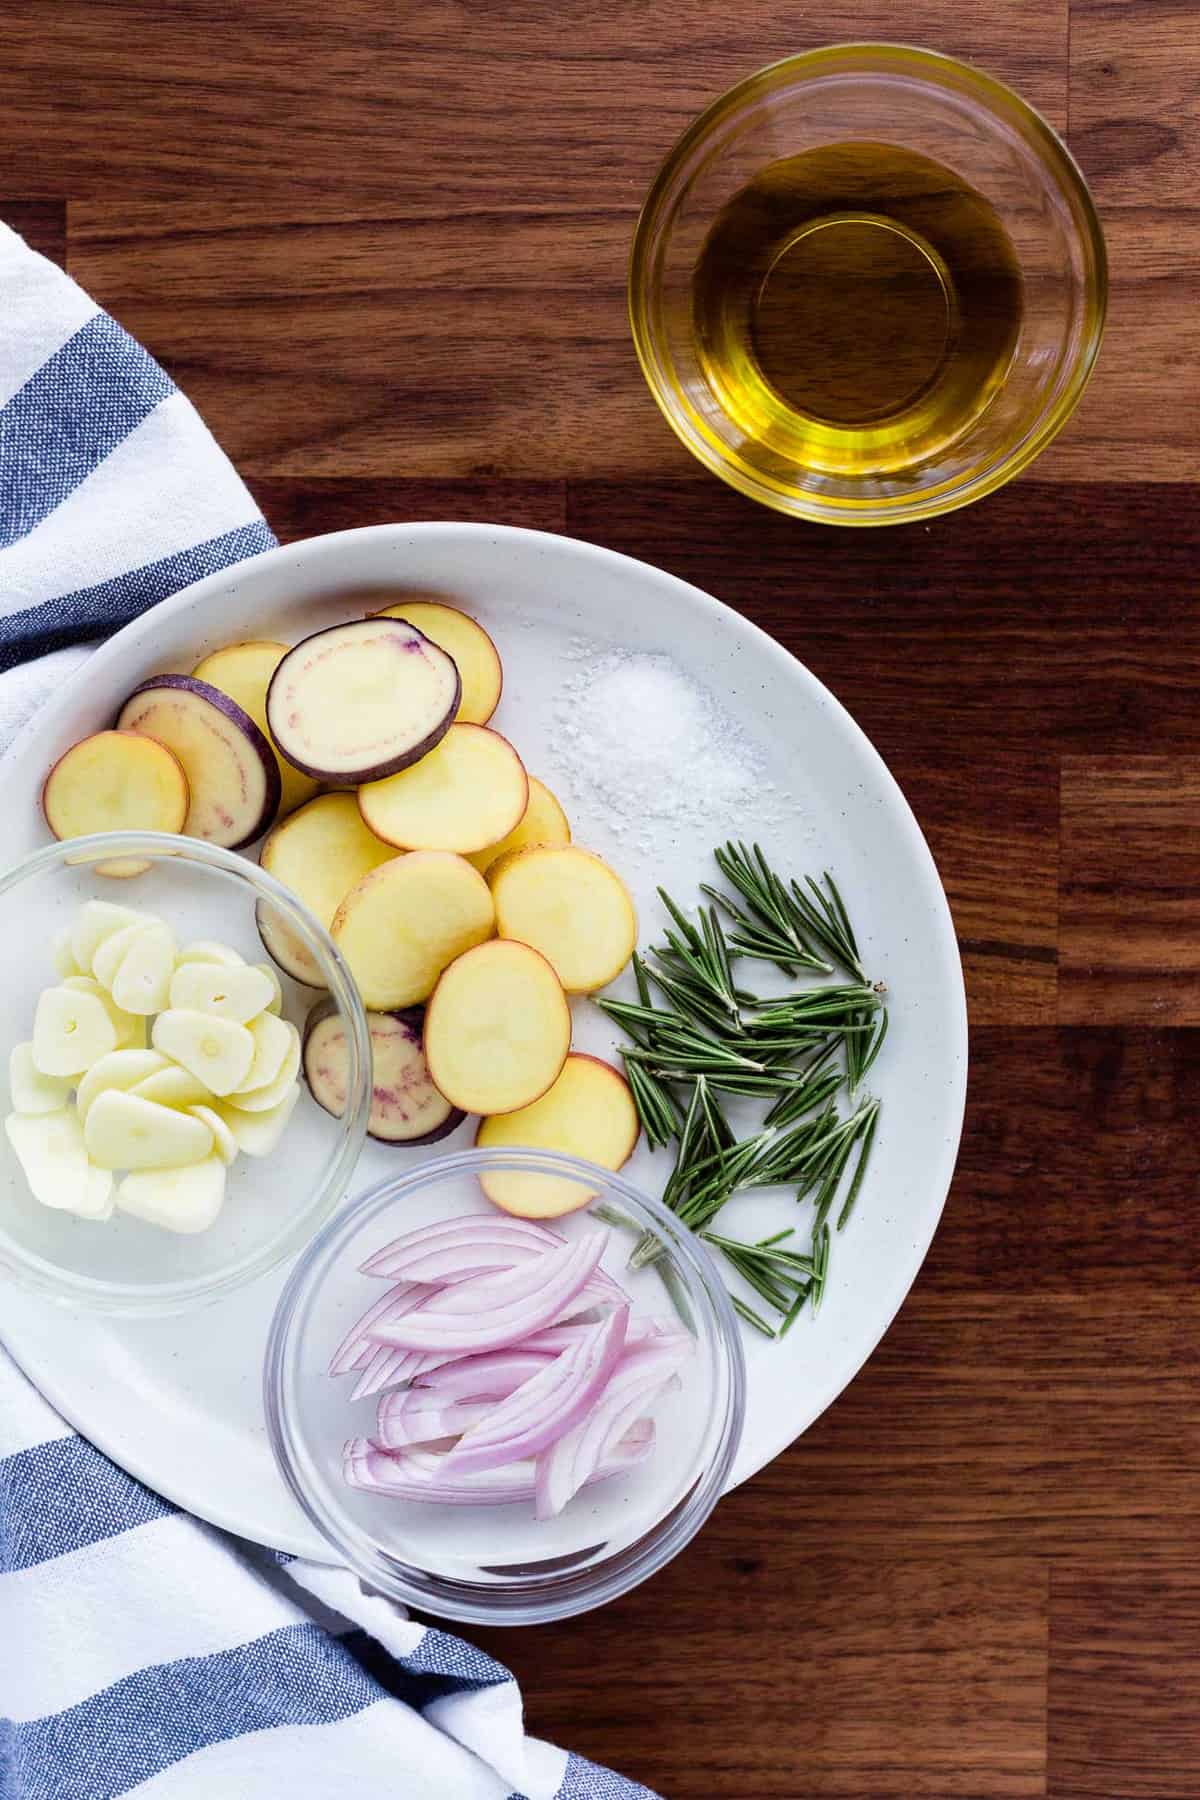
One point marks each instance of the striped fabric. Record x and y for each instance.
(140, 1650)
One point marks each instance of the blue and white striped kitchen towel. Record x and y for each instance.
(140, 1650)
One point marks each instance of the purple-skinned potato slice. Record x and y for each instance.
(232, 774)
(406, 1107)
(361, 701)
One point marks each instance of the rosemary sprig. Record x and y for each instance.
(696, 1033)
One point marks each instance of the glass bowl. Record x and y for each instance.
(937, 108)
(496, 1564)
(273, 1204)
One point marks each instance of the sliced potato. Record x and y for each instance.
(31, 1091)
(116, 781)
(227, 993)
(589, 1112)
(469, 792)
(216, 1051)
(232, 771)
(71, 1031)
(120, 1069)
(571, 906)
(498, 1028)
(544, 822)
(400, 925)
(257, 1133)
(319, 853)
(125, 1131)
(464, 639)
(244, 671)
(185, 1199)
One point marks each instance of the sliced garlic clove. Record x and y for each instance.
(224, 1143)
(51, 1151)
(113, 951)
(32, 1092)
(216, 1051)
(143, 982)
(95, 921)
(262, 1099)
(258, 1133)
(227, 993)
(122, 1068)
(187, 1199)
(62, 955)
(275, 1003)
(128, 1026)
(97, 1199)
(272, 1047)
(207, 950)
(71, 1031)
(125, 1131)
(174, 1086)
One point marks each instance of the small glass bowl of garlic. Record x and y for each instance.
(160, 1147)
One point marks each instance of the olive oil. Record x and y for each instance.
(855, 309)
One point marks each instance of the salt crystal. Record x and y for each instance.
(649, 750)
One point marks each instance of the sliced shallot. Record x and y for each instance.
(468, 1386)
(421, 1474)
(547, 1406)
(356, 1345)
(392, 1260)
(488, 1312)
(571, 1461)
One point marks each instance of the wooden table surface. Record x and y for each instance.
(382, 246)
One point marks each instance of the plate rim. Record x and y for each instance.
(401, 534)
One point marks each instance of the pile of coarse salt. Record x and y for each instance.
(653, 754)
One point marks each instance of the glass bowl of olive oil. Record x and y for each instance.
(868, 285)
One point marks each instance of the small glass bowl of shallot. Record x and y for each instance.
(493, 1417)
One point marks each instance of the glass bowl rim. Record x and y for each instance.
(558, 1596)
(158, 1299)
(948, 73)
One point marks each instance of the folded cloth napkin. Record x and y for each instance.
(142, 1651)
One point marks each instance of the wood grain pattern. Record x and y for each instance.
(1129, 933)
(1125, 1686)
(383, 248)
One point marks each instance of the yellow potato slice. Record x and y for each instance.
(544, 822)
(116, 781)
(401, 925)
(589, 1112)
(462, 638)
(498, 1029)
(571, 906)
(469, 791)
(320, 852)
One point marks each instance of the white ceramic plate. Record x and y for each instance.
(176, 1401)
